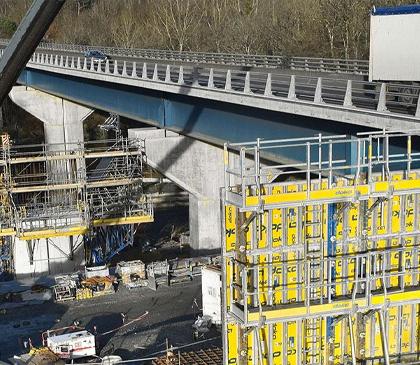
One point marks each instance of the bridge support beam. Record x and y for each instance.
(62, 119)
(63, 123)
(195, 166)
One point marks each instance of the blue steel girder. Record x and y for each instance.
(208, 120)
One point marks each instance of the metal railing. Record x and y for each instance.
(318, 159)
(379, 279)
(65, 186)
(385, 99)
(334, 65)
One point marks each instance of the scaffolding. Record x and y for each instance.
(321, 254)
(53, 190)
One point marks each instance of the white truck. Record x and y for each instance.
(72, 345)
(394, 55)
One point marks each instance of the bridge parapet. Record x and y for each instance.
(376, 105)
(335, 65)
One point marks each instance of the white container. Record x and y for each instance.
(101, 271)
(394, 46)
(211, 287)
(73, 345)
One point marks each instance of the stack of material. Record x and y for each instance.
(65, 287)
(157, 273)
(212, 356)
(132, 273)
(99, 285)
(84, 293)
(177, 270)
(41, 356)
(98, 281)
(186, 269)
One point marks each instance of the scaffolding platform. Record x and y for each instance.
(57, 190)
(321, 255)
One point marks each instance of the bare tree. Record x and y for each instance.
(332, 28)
(217, 19)
(124, 26)
(177, 21)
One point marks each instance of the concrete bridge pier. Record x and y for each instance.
(62, 119)
(196, 167)
(63, 123)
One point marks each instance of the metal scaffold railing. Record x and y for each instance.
(50, 190)
(321, 252)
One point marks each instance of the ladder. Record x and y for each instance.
(313, 338)
(313, 252)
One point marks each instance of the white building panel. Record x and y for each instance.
(394, 47)
(211, 290)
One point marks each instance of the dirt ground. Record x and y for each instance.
(172, 311)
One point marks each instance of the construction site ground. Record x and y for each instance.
(172, 311)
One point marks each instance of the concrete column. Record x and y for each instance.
(195, 166)
(63, 123)
(205, 222)
(48, 257)
(63, 119)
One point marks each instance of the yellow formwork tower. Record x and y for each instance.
(321, 256)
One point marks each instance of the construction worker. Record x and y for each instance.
(123, 317)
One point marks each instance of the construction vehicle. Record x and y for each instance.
(60, 345)
(70, 342)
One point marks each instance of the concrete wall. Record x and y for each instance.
(49, 257)
(196, 167)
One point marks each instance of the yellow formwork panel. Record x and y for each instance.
(336, 343)
(341, 232)
(277, 242)
(261, 237)
(230, 227)
(250, 347)
(232, 343)
(393, 328)
(277, 356)
(287, 341)
(291, 342)
(408, 225)
(263, 334)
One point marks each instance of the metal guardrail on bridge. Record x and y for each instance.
(314, 64)
(356, 95)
